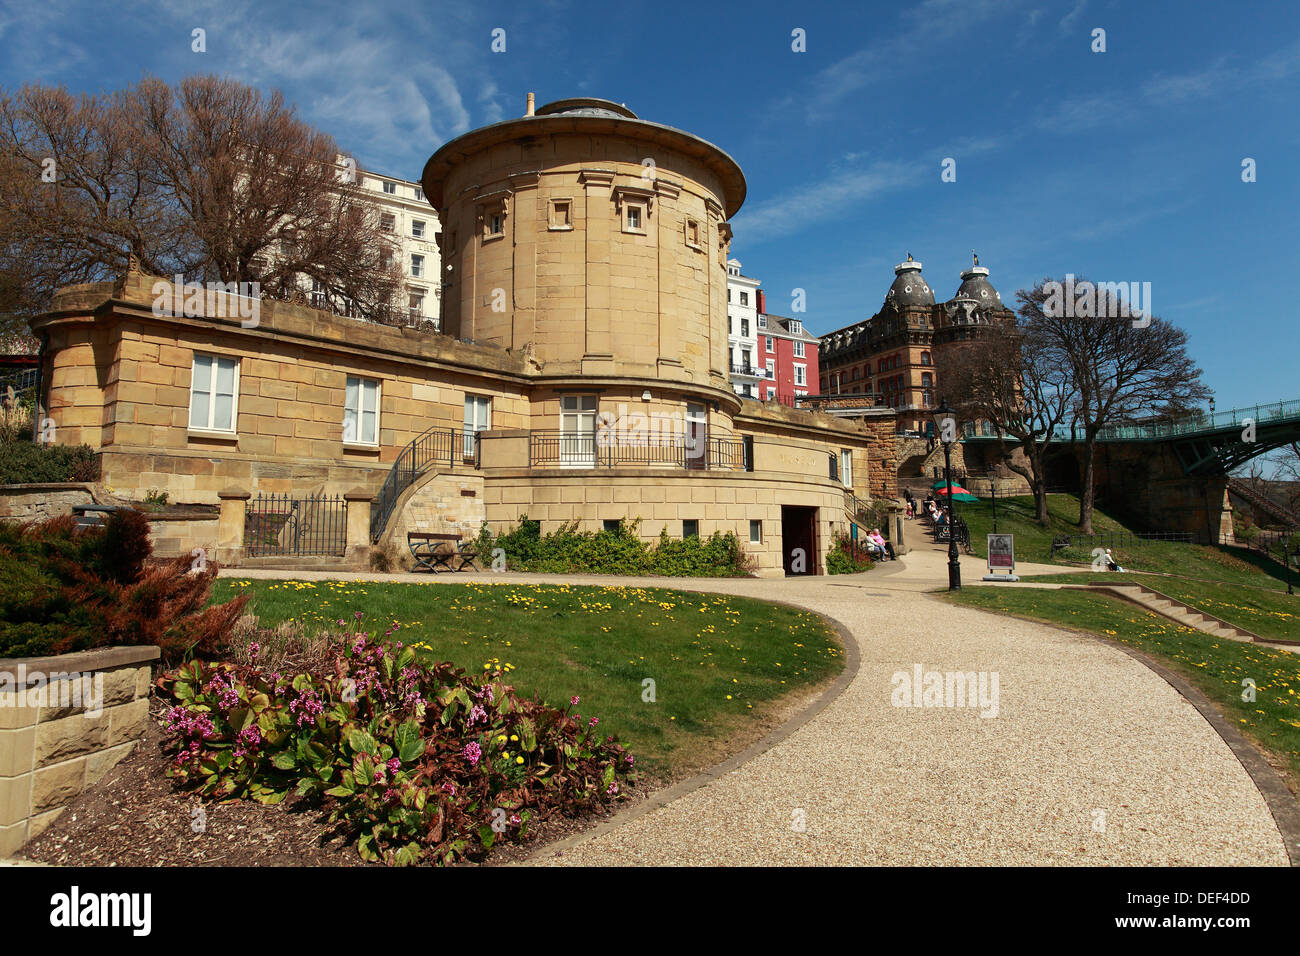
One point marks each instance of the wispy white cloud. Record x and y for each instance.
(1068, 22)
(832, 197)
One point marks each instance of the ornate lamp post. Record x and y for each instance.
(946, 426)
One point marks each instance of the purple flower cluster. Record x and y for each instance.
(227, 696)
(247, 741)
(307, 706)
(473, 753)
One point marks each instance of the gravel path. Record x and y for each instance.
(1092, 758)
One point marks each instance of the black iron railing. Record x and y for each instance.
(1122, 539)
(435, 446)
(284, 526)
(551, 449)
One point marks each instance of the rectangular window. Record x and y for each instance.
(690, 528)
(612, 525)
(495, 224)
(744, 328)
(771, 347)
(419, 193)
(361, 411)
(798, 348)
(417, 228)
(755, 532)
(214, 393)
(796, 327)
(478, 418)
(771, 369)
(744, 298)
(762, 323)
(578, 430)
(747, 449)
(387, 221)
(846, 467)
(801, 375)
(417, 266)
(390, 188)
(834, 467)
(634, 217)
(416, 307)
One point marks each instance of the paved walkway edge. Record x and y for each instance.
(659, 798)
(1282, 803)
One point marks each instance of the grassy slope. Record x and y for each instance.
(1218, 667)
(1033, 541)
(599, 643)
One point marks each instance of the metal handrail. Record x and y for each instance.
(548, 448)
(432, 445)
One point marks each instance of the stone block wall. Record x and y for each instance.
(64, 722)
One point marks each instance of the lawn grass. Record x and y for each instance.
(1218, 667)
(1016, 515)
(717, 662)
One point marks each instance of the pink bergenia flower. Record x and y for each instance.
(574, 701)
(473, 753)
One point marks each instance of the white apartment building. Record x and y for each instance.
(742, 333)
(404, 212)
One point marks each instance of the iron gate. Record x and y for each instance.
(284, 526)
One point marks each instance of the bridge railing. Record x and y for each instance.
(1199, 422)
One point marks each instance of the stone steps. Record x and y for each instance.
(1183, 614)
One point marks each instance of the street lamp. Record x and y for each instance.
(993, 491)
(945, 425)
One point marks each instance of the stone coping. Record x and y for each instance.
(95, 659)
(182, 516)
(48, 486)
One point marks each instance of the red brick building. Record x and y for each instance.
(787, 354)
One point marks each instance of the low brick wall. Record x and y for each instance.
(176, 534)
(64, 722)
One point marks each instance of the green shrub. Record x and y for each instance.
(842, 559)
(63, 589)
(25, 462)
(420, 762)
(614, 552)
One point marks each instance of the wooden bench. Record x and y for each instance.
(434, 551)
(1059, 543)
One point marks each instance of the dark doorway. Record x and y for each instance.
(798, 539)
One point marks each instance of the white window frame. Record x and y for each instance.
(642, 210)
(358, 413)
(478, 418)
(578, 425)
(771, 369)
(389, 188)
(208, 427)
(798, 348)
(801, 374)
(417, 266)
(417, 228)
(846, 467)
(771, 345)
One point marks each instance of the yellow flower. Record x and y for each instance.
(512, 737)
(519, 760)
(728, 697)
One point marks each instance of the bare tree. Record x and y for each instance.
(1008, 378)
(1120, 370)
(211, 180)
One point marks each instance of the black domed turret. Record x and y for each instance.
(975, 285)
(910, 290)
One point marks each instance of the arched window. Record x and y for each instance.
(926, 380)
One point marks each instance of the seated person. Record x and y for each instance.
(1111, 563)
(881, 545)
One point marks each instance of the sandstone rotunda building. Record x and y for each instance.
(581, 372)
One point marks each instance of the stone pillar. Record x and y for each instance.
(898, 518)
(230, 526)
(358, 547)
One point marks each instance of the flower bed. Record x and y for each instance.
(423, 763)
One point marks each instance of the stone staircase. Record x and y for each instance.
(1180, 613)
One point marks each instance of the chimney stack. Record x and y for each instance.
(530, 105)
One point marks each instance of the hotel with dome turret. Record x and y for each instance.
(897, 358)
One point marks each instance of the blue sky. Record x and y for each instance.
(1123, 165)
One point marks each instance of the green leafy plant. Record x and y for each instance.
(25, 462)
(421, 763)
(618, 551)
(842, 558)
